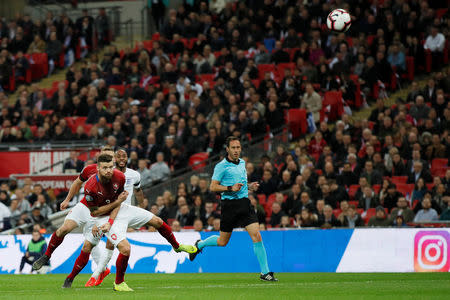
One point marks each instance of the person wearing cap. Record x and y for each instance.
(380, 219)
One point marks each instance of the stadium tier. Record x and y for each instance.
(341, 111)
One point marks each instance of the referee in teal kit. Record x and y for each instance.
(230, 179)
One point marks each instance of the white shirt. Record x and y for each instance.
(4, 213)
(436, 43)
(132, 181)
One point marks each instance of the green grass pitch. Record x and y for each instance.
(235, 286)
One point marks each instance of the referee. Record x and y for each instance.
(230, 179)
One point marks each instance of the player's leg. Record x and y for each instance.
(260, 251)
(56, 240)
(228, 219)
(167, 233)
(80, 263)
(102, 271)
(121, 266)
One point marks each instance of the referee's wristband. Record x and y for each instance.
(110, 221)
(229, 188)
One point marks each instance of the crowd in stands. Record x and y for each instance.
(27, 44)
(235, 69)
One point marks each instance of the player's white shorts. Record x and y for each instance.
(81, 215)
(128, 216)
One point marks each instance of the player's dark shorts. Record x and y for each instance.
(236, 213)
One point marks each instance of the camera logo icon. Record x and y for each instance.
(431, 251)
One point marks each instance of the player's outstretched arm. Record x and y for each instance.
(74, 189)
(109, 207)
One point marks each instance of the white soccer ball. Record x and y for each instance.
(339, 20)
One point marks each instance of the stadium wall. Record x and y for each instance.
(338, 250)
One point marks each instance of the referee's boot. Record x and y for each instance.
(268, 277)
(193, 255)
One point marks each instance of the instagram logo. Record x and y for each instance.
(431, 251)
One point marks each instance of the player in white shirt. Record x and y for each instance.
(133, 217)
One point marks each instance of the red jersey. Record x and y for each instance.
(97, 194)
(87, 172)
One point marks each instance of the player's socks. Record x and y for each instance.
(96, 254)
(209, 242)
(103, 262)
(261, 255)
(167, 233)
(121, 267)
(55, 241)
(80, 263)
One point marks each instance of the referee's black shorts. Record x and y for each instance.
(236, 213)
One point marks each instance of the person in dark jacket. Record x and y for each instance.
(36, 248)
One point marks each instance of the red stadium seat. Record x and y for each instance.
(198, 160)
(410, 67)
(355, 203)
(261, 199)
(119, 88)
(369, 213)
(297, 122)
(376, 188)
(405, 189)
(332, 106)
(337, 212)
(264, 68)
(352, 190)
(399, 179)
(46, 112)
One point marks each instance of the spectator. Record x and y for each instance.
(373, 176)
(418, 172)
(144, 172)
(419, 191)
(402, 210)
(74, 163)
(312, 102)
(328, 219)
(391, 197)
(351, 218)
(445, 215)
(176, 227)
(419, 111)
(42, 206)
(368, 199)
(54, 49)
(159, 171)
(426, 214)
(435, 42)
(36, 248)
(380, 219)
(4, 216)
(198, 225)
(306, 219)
(277, 213)
(260, 213)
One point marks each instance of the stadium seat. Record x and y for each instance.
(119, 88)
(256, 83)
(438, 163)
(352, 190)
(399, 179)
(369, 213)
(297, 122)
(198, 160)
(46, 112)
(410, 67)
(283, 66)
(264, 68)
(405, 189)
(440, 12)
(428, 61)
(261, 199)
(337, 212)
(355, 203)
(376, 188)
(332, 106)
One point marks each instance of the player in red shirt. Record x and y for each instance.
(85, 174)
(104, 193)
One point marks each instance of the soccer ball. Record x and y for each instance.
(339, 20)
